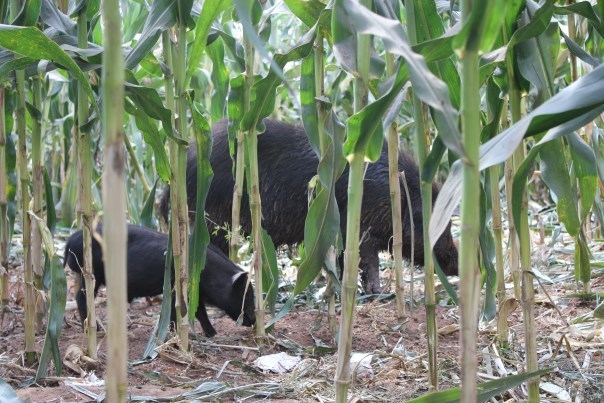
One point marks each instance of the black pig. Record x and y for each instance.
(286, 164)
(222, 283)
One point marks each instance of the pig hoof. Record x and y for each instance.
(373, 288)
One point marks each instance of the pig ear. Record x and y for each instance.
(239, 277)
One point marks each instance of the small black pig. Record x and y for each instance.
(286, 164)
(222, 283)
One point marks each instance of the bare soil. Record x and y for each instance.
(399, 361)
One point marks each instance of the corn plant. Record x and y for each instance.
(84, 145)
(114, 201)
(525, 26)
(507, 88)
(4, 200)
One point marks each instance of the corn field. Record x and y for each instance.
(377, 200)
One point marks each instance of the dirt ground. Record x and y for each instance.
(222, 368)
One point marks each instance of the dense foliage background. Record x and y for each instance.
(500, 101)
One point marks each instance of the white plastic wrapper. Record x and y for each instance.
(360, 365)
(277, 363)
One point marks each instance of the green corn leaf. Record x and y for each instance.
(15, 64)
(495, 106)
(153, 138)
(7, 394)
(184, 13)
(11, 163)
(263, 91)
(365, 128)
(29, 14)
(146, 217)
(32, 43)
(571, 108)
(554, 171)
(69, 194)
(582, 260)
(598, 149)
(235, 49)
(220, 79)
(160, 331)
(51, 215)
(93, 8)
(235, 100)
(433, 159)
(249, 13)
(134, 21)
(58, 298)
(200, 236)
(537, 58)
(578, 51)
(308, 11)
(445, 69)
(287, 307)
(151, 103)
(270, 271)
(555, 174)
(538, 23)
(210, 11)
(427, 86)
(487, 254)
(584, 9)
(4, 9)
(584, 163)
(308, 102)
(53, 17)
(486, 390)
(45, 235)
(163, 15)
(438, 48)
(235, 110)
(323, 219)
(482, 28)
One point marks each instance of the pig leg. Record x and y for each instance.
(81, 298)
(370, 272)
(202, 317)
(369, 265)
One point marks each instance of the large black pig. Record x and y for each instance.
(286, 164)
(222, 283)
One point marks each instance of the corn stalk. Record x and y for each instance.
(422, 143)
(470, 221)
(30, 294)
(235, 237)
(4, 284)
(319, 69)
(84, 146)
(23, 173)
(510, 170)
(171, 59)
(181, 278)
(522, 274)
(528, 294)
(353, 226)
(502, 324)
(251, 142)
(395, 202)
(114, 202)
(37, 189)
